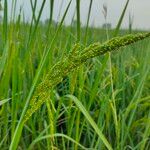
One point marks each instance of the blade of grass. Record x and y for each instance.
(4, 58)
(88, 19)
(120, 19)
(20, 125)
(5, 21)
(2, 102)
(146, 134)
(33, 7)
(32, 35)
(55, 135)
(77, 121)
(78, 21)
(90, 120)
(50, 16)
(136, 96)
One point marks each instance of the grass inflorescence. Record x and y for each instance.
(71, 62)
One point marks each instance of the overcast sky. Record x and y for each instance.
(139, 9)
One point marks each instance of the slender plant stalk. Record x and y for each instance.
(33, 7)
(121, 19)
(50, 16)
(78, 20)
(88, 19)
(31, 38)
(5, 21)
(77, 121)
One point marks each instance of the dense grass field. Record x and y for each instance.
(103, 103)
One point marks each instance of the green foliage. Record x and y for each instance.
(79, 99)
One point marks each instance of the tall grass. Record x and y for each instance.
(55, 94)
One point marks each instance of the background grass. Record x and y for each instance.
(28, 50)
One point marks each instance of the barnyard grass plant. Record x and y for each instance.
(68, 87)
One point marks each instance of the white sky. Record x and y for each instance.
(140, 9)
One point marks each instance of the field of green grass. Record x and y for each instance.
(58, 92)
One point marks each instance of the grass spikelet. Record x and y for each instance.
(71, 62)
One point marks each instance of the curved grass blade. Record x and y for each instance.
(90, 120)
(55, 135)
(2, 102)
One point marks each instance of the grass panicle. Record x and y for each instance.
(72, 62)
